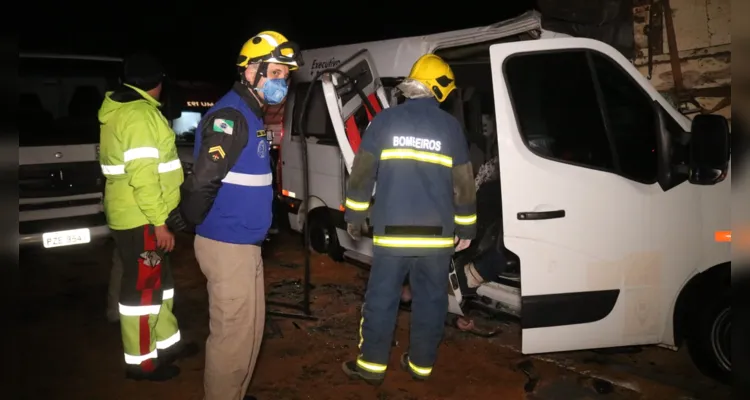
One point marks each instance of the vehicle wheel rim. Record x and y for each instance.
(319, 238)
(720, 339)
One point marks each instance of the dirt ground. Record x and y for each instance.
(70, 351)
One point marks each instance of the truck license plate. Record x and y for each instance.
(66, 238)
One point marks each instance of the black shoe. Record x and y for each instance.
(351, 370)
(160, 374)
(177, 352)
(405, 366)
(248, 397)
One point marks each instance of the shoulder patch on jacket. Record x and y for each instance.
(223, 125)
(260, 133)
(216, 153)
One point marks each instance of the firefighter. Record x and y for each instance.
(417, 154)
(229, 197)
(143, 176)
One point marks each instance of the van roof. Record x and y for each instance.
(70, 57)
(394, 57)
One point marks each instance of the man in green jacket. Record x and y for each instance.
(139, 160)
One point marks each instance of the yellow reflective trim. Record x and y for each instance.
(361, 322)
(410, 154)
(371, 367)
(465, 219)
(356, 205)
(420, 370)
(390, 241)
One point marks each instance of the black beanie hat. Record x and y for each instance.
(143, 71)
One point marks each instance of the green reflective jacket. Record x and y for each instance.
(139, 159)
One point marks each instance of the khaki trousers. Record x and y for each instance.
(237, 311)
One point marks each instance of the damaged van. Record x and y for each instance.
(610, 207)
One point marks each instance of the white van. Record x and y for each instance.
(61, 185)
(616, 239)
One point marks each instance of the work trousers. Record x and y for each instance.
(113, 291)
(146, 298)
(237, 310)
(428, 279)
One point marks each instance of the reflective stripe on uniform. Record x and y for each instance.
(170, 166)
(423, 371)
(167, 294)
(113, 169)
(135, 360)
(417, 155)
(237, 178)
(134, 311)
(141, 152)
(426, 242)
(357, 205)
(170, 341)
(371, 367)
(465, 219)
(162, 168)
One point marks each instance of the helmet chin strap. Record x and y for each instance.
(253, 87)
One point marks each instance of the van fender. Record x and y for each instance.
(313, 202)
(691, 293)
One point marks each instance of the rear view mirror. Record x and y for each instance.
(671, 168)
(709, 149)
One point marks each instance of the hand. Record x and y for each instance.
(354, 231)
(461, 244)
(164, 238)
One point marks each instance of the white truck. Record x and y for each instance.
(61, 185)
(603, 203)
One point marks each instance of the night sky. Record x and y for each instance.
(201, 39)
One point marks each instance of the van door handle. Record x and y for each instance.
(536, 215)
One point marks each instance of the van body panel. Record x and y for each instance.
(608, 273)
(617, 234)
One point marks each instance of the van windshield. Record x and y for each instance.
(60, 97)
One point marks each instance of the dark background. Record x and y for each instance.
(201, 39)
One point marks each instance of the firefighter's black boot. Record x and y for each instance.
(351, 370)
(163, 372)
(177, 352)
(405, 366)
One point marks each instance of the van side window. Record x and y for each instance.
(556, 107)
(580, 107)
(631, 120)
(318, 121)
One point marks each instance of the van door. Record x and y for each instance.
(349, 114)
(578, 168)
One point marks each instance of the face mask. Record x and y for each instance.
(274, 90)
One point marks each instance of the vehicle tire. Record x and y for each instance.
(709, 336)
(323, 237)
(319, 234)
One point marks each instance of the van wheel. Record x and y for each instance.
(709, 336)
(323, 238)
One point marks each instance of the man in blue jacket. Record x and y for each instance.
(425, 206)
(228, 197)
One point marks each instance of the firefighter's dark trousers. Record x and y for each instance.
(428, 278)
(146, 298)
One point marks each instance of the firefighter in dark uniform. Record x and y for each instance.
(425, 210)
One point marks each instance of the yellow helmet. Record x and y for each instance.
(435, 74)
(270, 47)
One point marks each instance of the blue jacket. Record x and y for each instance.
(230, 193)
(417, 154)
